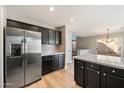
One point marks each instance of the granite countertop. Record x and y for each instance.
(51, 53)
(117, 62)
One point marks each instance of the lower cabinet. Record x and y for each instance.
(92, 75)
(46, 65)
(112, 81)
(79, 72)
(112, 77)
(52, 63)
(92, 78)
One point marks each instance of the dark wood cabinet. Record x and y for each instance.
(52, 35)
(49, 36)
(79, 73)
(112, 81)
(46, 65)
(54, 62)
(32, 27)
(92, 78)
(96, 76)
(58, 37)
(92, 70)
(61, 61)
(112, 77)
(15, 24)
(45, 35)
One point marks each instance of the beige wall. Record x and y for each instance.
(90, 42)
(87, 42)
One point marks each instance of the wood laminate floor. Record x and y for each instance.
(63, 78)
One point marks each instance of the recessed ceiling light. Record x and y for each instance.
(51, 8)
(71, 19)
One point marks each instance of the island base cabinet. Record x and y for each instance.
(79, 75)
(92, 78)
(92, 75)
(112, 81)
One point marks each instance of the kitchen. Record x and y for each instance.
(38, 48)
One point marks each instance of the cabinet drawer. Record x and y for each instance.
(79, 62)
(111, 70)
(45, 57)
(93, 66)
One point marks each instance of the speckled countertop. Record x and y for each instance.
(51, 53)
(117, 62)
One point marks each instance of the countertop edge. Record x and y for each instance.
(102, 63)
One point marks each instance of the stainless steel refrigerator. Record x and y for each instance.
(22, 57)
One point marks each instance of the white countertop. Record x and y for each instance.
(51, 53)
(113, 61)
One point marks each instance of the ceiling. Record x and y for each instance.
(89, 20)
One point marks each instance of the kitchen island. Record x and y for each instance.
(99, 71)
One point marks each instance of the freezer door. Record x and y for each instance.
(14, 55)
(33, 56)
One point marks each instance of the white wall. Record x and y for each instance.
(11, 15)
(1, 46)
(68, 46)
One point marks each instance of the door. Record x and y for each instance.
(112, 81)
(51, 37)
(58, 37)
(33, 56)
(79, 74)
(14, 56)
(45, 35)
(54, 62)
(46, 65)
(92, 78)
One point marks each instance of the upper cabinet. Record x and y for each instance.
(32, 27)
(15, 24)
(48, 36)
(52, 38)
(58, 37)
(45, 35)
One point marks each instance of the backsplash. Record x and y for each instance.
(50, 48)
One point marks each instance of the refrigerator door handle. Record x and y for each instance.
(22, 53)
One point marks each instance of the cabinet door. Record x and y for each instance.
(58, 37)
(92, 78)
(79, 74)
(15, 24)
(51, 37)
(55, 62)
(32, 27)
(112, 81)
(44, 35)
(45, 66)
(61, 61)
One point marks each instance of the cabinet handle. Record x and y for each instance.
(97, 72)
(82, 67)
(91, 65)
(104, 74)
(113, 71)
